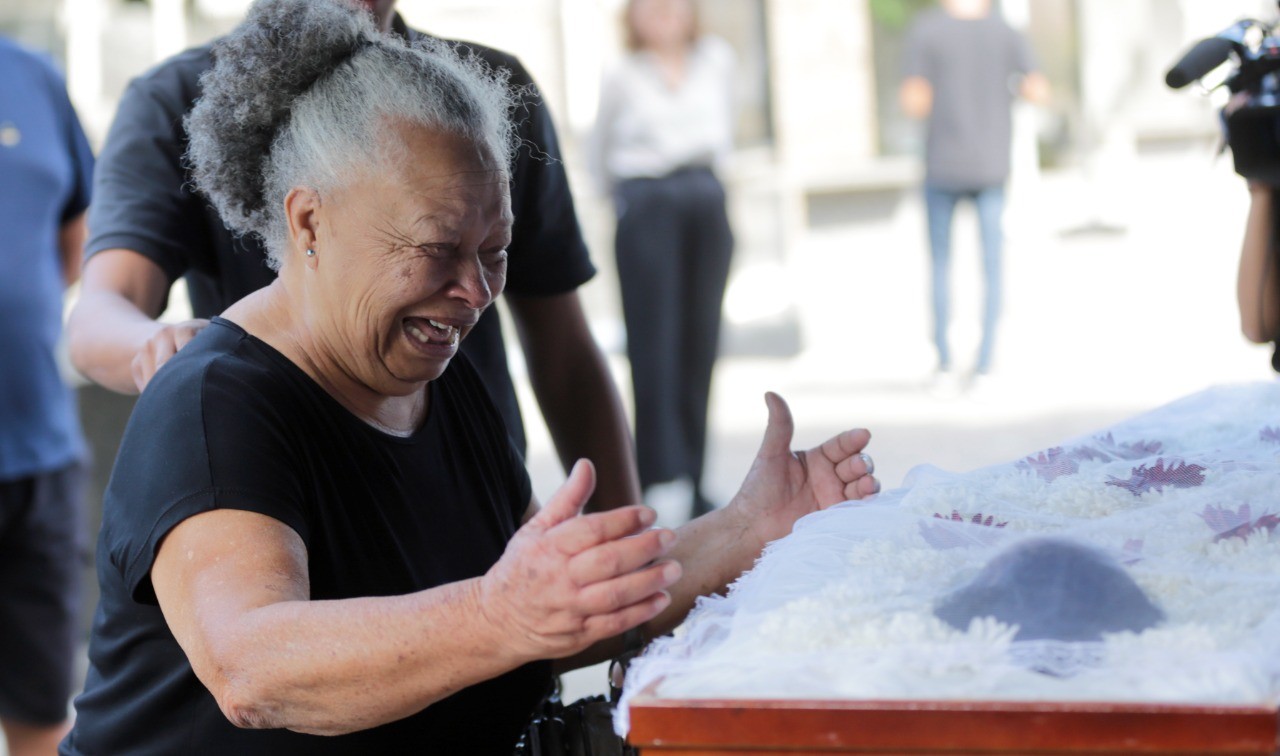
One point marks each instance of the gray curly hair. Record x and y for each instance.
(299, 95)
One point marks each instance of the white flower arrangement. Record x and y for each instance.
(1186, 498)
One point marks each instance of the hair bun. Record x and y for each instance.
(260, 69)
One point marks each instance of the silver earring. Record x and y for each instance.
(311, 252)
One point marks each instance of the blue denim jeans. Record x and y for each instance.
(940, 206)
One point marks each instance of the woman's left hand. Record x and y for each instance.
(784, 485)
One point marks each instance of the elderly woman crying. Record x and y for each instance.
(317, 537)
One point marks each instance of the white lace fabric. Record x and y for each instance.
(1184, 500)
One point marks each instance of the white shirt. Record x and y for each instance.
(646, 128)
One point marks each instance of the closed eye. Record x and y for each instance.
(436, 251)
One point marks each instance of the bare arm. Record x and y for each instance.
(71, 248)
(915, 97)
(234, 590)
(577, 394)
(112, 331)
(1258, 282)
(782, 486)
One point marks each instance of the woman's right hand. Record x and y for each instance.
(568, 580)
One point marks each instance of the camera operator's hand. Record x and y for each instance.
(1235, 103)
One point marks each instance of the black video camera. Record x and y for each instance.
(1251, 121)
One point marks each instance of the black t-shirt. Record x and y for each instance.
(232, 423)
(143, 201)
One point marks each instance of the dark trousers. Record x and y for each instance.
(673, 250)
(43, 553)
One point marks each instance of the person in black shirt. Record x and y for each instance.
(318, 537)
(148, 228)
(1258, 284)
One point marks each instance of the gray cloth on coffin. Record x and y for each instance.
(1052, 589)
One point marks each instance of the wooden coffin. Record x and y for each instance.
(703, 727)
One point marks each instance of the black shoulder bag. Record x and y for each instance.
(584, 727)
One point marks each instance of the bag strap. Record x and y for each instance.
(632, 645)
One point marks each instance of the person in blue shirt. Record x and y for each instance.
(45, 176)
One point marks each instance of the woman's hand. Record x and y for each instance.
(783, 486)
(567, 580)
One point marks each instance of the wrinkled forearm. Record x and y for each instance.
(332, 667)
(714, 550)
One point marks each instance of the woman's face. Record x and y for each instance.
(408, 258)
(662, 23)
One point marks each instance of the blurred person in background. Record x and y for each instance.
(148, 229)
(963, 67)
(1258, 284)
(665, 123)
(45, 175)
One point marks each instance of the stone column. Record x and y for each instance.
(1024, 175)
(823, 90)
(84, 21)
(1108, 51)
(168, 28)
(823, 95)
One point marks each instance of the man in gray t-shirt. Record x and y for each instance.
(963, 68)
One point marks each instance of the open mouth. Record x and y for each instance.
(434, 332)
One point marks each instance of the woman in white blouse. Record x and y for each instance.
(665, 123)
